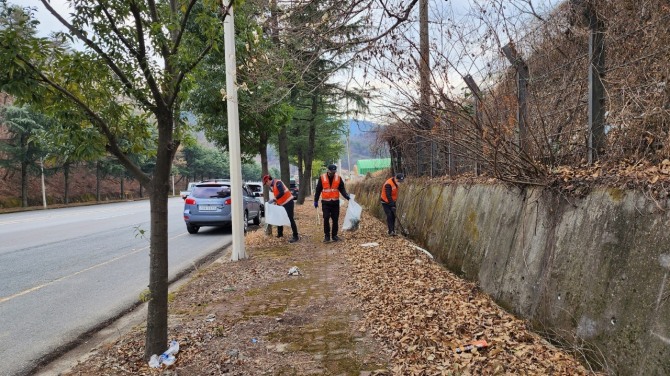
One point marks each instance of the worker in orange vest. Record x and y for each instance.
(389, 196)
(329, 187)
(283, 197)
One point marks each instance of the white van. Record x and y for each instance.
(188, 190)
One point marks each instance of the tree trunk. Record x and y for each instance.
(24, 184)
(24, 172)
(284, 167)
(301, 191)
(309, 155)
(123, 195)
(66, 176)
(157, 313)
(156, 340)
(97, 181)
(263, 151)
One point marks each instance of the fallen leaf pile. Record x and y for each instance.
(357, 308)
(651, 179)
(626, 174)
(423, 312)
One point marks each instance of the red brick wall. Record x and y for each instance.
(82, 187)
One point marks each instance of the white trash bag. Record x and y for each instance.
(167, 358)
(353, 216)
(276, 215)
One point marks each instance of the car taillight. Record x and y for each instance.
(189, 201)
(227, 202)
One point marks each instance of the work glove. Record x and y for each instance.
(271, 201)
(316, 204)
(348, 198)
(393, 209)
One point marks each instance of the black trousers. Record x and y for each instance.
(331, 210)
(290, 209)
(390, 217)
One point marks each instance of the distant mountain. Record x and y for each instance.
(358, 127)
(362, 137)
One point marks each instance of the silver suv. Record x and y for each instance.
(208, 204)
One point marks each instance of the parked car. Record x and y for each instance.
(188, 190)
(185, 193)
(256, 189)
(209, 205)
(294, 188)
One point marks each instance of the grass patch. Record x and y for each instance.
(273, 252)
(275, 298)
(332, 339)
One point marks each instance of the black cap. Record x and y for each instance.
(332, 167)
(399, 177)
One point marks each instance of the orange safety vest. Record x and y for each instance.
(330, 193)
(394, 191)
(287, 193)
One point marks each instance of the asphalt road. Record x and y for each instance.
(65, 271)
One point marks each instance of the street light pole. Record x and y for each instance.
(237, 212)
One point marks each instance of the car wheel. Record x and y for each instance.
(246, 221)
(192, 229)
(257, 220)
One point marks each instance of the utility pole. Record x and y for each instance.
(237, 212)
(596, 142)
(424, 145)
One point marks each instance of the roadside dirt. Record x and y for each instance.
(355, 309)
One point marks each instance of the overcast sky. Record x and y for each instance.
(48, 23)
(457, 9)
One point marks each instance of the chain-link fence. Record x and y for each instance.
(589, 84)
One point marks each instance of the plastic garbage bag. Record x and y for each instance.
(167, 358)
(276, 215)
(294, 271)
(353, 216)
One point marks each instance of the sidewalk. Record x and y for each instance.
(353, 310)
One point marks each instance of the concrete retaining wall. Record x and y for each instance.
(592, 273)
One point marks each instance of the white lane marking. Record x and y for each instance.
(35, 288)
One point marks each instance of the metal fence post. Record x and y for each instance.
(522, 76)
(478, 121)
